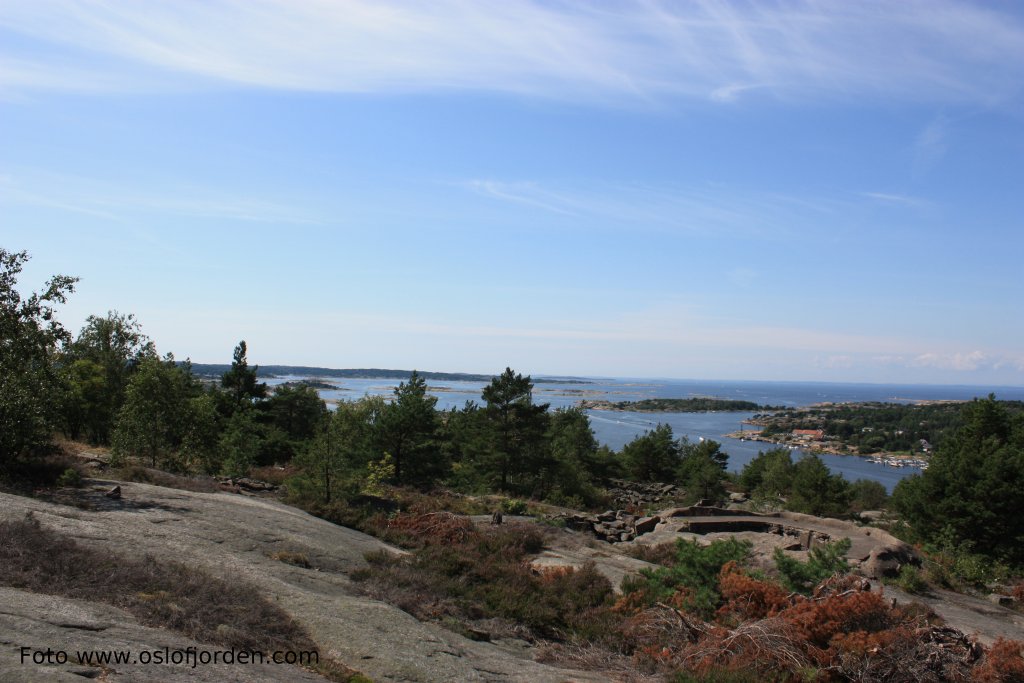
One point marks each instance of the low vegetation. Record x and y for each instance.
(399, 468)
(704, 616)
(162, 593)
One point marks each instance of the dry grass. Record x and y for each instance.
(210, 609)
(146, 475)
(460, 575)
(293, 558)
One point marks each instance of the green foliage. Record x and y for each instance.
(514, 506)
(240, 381)
(910, 580)
(768, 474)
(377, 473)
(100, 363)
(333, 463)
(816, 491)
(824, 560)
(970, 493)
(155, 417)
(85, 410)
(70, 477)
(702, 468)
(872, 426)
(574, 460)
(199, 443)
(652, 456)
(808, 485)
(515, 429)
(30, 337)
(295, 413)
(955, 563)
(408, 430)
(238, 444)
(687, 405)
(694, 571)
(866, 494)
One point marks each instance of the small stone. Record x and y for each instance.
(1001, 600)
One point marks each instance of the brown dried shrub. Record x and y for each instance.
(749, 598)
(1003, 663)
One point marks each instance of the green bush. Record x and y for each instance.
(910, 580)
(70, 477)
(514, 506)
(695, 568)
(823, 561)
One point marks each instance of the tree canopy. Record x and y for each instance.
(517, 427)
(30, 337)
(971, 492)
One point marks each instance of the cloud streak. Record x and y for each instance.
(699, 210)
(118, 203)
(939, 50)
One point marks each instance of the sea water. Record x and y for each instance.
(615, 428)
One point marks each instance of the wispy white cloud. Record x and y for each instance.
(707, 209)
(934, 50)
(529, 194)
(931, 144)
(118, 203)
(962, 361)
(897, 199)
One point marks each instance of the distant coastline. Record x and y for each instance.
(678, 405)
(266, 371)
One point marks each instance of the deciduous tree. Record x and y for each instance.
(30, 337)
(116, 346)
(155, 416)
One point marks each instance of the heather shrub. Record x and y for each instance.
(749, 598)
(158, 592)
(691, 583)
(461, 574)
(1003, 663)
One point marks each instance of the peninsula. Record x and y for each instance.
(679, 405)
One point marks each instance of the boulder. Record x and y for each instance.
(1001, 600)
(886, 560)
(645, 524)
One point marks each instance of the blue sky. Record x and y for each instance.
(806, 191)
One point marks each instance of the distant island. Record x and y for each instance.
(216, 370)
(311, 382)
(868, 427)
(679, 405)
